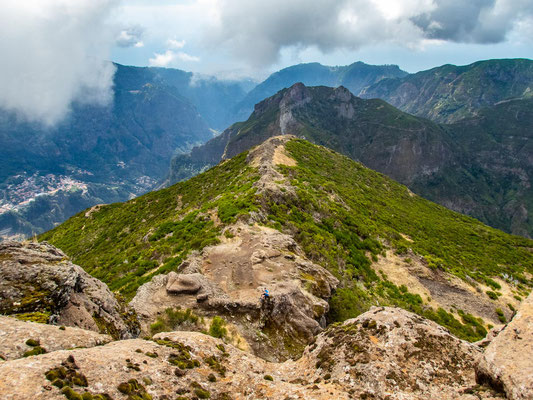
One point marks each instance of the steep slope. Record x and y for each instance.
(98, 155)
(371, 131)
(355, 77)
(494, 183)
(371, 233)
(480, 166)
(449, 93)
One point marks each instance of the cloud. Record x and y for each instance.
(54, 52)
(162, 59)
(175, 44)
(473, 21)
(131, 37)
(259, 31)
(170, 57)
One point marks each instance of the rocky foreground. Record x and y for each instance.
(385, 353)
(82, 343)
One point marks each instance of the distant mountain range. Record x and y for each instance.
(355, 77)
(449, 93)
(480, 166)
(108, 154)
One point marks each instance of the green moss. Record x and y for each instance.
(216, 365)
(37, 316)
(202, 393)
(33, 342)
(34, 351)
(71, 394)
(134, 390)
(106, 327)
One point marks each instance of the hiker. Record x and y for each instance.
(265, 295)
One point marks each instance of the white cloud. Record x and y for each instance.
(53, 52)
(259, 31)
(162, 59)
(187, 57)
(170, 57)
(175, 44)
(131, 37)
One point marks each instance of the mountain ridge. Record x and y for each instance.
(412, 150)
(303, 204)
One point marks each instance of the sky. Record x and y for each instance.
(57, 51)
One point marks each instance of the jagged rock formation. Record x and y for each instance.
(465, 166)
(227, 280)
(356, 77)
(507, 363)
(386, 353)
(15, 336)
(39, 283)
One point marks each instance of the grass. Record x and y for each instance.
(375, 212)
(126, 244)
(342, 214)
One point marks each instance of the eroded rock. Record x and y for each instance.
(227, 280)
(385, 353)
(39, 283)
(15, 334)
(507, 363)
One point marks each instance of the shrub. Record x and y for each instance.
(218, 327)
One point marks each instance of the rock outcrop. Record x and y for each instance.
(386, 353)
(39, 283)
(20, 338)
(227, 280)
(507, 363)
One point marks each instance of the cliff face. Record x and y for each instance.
(38, 283)
(449, 93)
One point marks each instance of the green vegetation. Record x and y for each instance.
(172, 319)
(32, 342)
(37, 316)
(125, 245)
(217, 328)
(67, 377)
(35, 351)
(342, 214)
(376, 212)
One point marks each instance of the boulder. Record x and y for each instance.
(40, 284)
(184, 283)
(507, 363)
